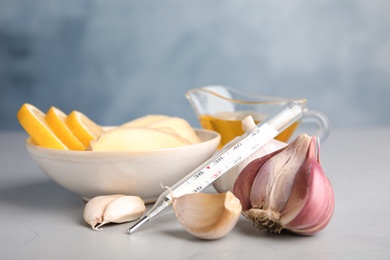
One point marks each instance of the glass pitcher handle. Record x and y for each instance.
(320, 120)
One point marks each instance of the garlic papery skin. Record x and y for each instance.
(309, 211)
(123, 209)
(95, 207)
(226, 182)
(287, 189)
(117, 208)
(207, 216)
(273, 183)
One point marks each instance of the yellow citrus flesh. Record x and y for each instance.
(34, 123)
(55, 118)
(82, 127)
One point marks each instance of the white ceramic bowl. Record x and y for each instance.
(94, 173)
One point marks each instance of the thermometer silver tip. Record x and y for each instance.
(138, 224)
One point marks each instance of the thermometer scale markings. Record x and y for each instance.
(227, 160)
(239, 149)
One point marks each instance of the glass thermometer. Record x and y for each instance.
(232, 154)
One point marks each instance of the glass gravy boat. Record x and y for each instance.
(221, 109)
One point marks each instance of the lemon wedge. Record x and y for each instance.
(34, 123)
(55, 118)
(82, 127)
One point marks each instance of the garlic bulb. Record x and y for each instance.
(207, 216)
(226, 182)
(112, 209)
(287, 189)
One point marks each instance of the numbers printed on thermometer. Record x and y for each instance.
(225, 161)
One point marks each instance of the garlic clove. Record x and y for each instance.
(272, 186)
(123, 209)
(95, 207)
(207, 216)
(243, 184)
(248, 123)
(317, 199)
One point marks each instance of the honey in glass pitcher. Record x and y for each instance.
(229, 125)
(221, 109)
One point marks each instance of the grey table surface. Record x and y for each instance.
(41, 220)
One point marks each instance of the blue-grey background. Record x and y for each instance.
(120, 59)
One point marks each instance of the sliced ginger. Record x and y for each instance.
(136, 139)
(144, 121)
(147, 133)
(173, 125)
(178, 125)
